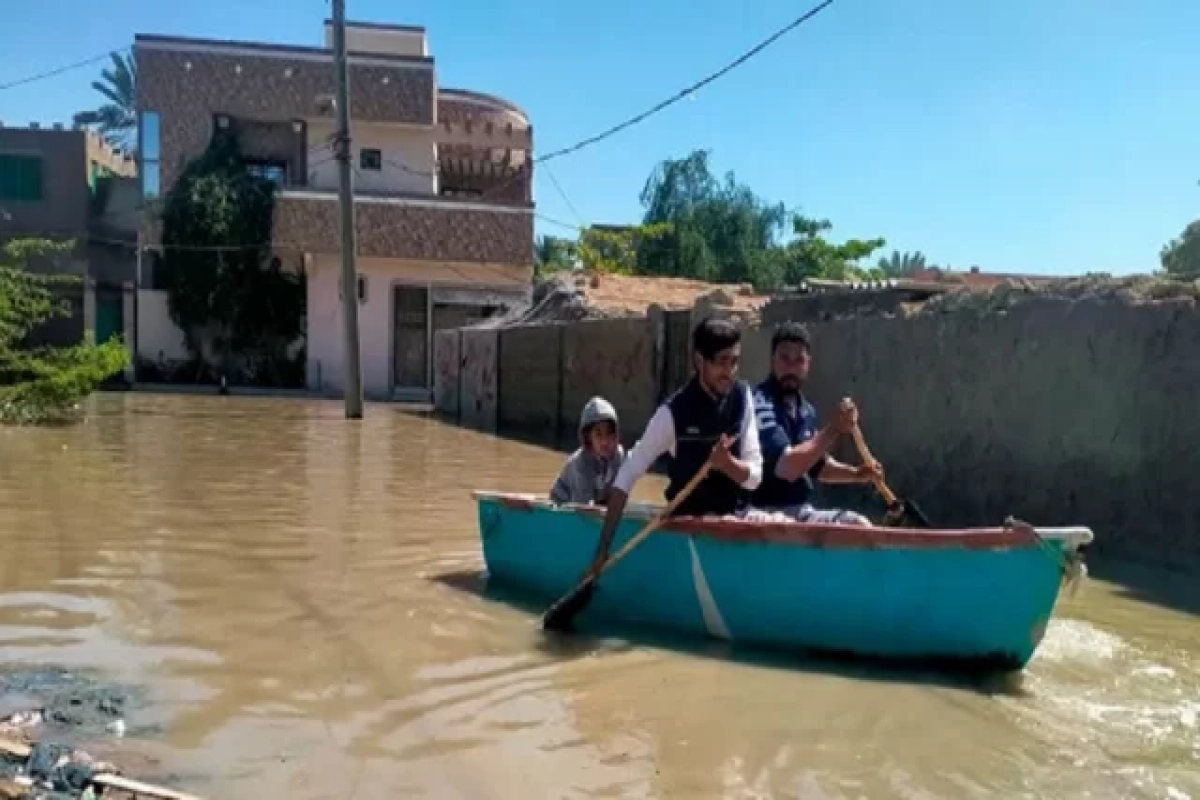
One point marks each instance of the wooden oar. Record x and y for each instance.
(898, 509)
(561, 615)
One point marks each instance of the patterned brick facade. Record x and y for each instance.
(444, 231)
(267, 92)
(187, 85)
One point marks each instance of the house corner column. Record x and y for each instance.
(129, 317)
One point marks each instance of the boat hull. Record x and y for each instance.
(981, 596)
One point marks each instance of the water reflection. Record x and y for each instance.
(303, 598)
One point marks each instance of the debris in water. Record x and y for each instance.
(47, 713)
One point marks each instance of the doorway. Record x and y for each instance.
(410, 311)
(110, 314)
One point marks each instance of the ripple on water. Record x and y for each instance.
(1120, 715)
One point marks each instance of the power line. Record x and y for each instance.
(577, 228)
(580, 145)
(562, 193)
(60, 70)
(758, 48)
(519, 175)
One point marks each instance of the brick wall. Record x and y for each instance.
(427, 232)
(187, 86)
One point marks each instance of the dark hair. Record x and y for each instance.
(791, 332)
(713, 335)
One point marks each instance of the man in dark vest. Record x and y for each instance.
(712, 415)
(795, 451)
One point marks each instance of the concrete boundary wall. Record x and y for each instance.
(1057, 411)
(447, 363)
(530, 380)
(616, 359)
(478, 387)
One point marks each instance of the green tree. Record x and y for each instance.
(39, 384)
(811, 255)
(902, 265)
(553, 254)
(233, 301)
(615, 249)
(116, 119)
(720, 230)
(1181, 256)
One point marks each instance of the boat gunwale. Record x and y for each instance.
(825, 535)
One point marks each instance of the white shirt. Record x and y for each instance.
(659, 438)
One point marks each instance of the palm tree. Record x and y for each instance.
(116, 119)
(899, 265)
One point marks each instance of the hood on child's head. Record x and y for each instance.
(597, 410)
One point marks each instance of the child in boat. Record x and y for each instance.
(589, 472)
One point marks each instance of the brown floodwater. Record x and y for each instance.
(301, 598)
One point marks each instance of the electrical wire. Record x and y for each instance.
(737, 62)
(59, 70)
(519, 174)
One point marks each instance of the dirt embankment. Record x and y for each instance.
(1129, 290)
(565, 298)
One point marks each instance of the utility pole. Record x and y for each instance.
(353, 354)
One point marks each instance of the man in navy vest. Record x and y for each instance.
(795, 451)
(712, 415)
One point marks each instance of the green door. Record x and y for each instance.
(110, 316)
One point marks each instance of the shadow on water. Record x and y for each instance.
(945, 674)
(1174, 587)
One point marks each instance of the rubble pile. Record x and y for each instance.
(48, 718)
(1099, 287)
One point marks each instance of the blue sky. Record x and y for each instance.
(1044, 136)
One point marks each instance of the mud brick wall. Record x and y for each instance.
(447, 357)
(478, 385)
(616, 359)
(530, 380)
(1057, 412)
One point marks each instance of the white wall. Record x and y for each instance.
(386, 41)
(156, 331)
(326, 368)
(408, 158)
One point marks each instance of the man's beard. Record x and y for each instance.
(790, 384)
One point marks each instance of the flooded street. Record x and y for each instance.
(300, 597)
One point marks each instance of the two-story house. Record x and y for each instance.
(442, 182)
(66, 184)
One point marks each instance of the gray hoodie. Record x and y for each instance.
(585, 477)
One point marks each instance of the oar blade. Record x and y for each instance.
(561, 616)
(914, 513)
(906, 514)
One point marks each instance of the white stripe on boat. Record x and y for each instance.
(1073, 537)
(713, 620)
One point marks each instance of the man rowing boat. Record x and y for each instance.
(795, 452)
(711, 417)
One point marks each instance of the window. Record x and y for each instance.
(274, 171)
(20, 178)
(149, 151)
(370, 159)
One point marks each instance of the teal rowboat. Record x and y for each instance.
(982, 597)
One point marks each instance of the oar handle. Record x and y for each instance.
(860, 443)
(655, 523)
